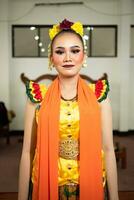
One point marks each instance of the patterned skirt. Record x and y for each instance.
(68, 192)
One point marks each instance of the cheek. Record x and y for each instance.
(79, 58)
(56, 59)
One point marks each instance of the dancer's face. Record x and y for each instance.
(67, 54)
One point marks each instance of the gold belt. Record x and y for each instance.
(68, 148)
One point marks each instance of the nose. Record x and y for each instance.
(67, 57)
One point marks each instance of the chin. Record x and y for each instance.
(69, 73)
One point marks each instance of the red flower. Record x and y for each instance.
(65, 24)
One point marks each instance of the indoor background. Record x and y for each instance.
(118, 65)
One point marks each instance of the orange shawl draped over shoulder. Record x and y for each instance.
(46, 167)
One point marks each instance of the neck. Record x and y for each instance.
(68, 86)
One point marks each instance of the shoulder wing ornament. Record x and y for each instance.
(35, 91)
(101, 89)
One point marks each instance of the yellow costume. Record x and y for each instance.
(68, 169)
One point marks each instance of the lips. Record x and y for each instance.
(68, 66)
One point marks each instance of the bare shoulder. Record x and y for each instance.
(106, 116)
(30, 106)
(105, 104)
(106, 124)
(30, 110)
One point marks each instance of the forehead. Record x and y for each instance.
(66, 40)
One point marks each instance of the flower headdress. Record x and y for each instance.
(65, 25)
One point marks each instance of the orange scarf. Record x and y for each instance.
(46, 176)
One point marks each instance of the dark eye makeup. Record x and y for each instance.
(59, 52)
(74, 51)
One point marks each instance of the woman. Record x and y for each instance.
(74, 129)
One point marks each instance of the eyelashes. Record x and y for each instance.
(59, 52)
(74, 51)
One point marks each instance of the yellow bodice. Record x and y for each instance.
(68, 170)
(69, 119)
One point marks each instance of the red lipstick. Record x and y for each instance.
(68, 66)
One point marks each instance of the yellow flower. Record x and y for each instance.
(78, 28)
(54, 31)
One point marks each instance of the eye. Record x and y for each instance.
(59, 52)
(75, 51)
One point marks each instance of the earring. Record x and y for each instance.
(50, 65)
(85, 52)
(85, 62)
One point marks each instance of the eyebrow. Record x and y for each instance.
(71, 47)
